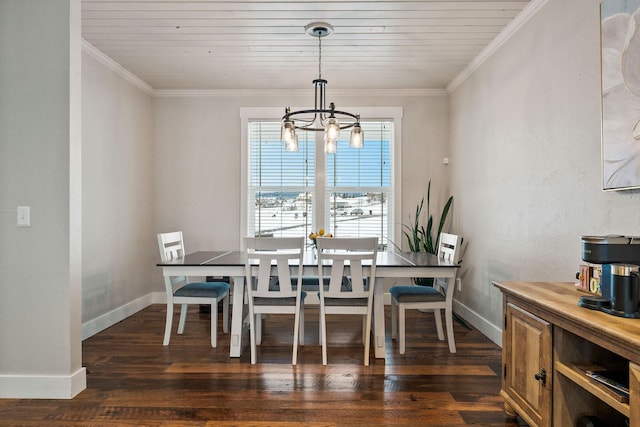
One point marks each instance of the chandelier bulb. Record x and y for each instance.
(357, 137)
(332, 128)
(292, 145)
(288, 132)
(330, 146)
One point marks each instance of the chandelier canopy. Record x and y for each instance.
(321, 119)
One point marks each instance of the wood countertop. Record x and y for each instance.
(557, 302)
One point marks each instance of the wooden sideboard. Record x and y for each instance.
(548, 344)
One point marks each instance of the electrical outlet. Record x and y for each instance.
(459, 282)
(24, 216)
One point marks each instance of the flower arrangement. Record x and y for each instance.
(313, 236)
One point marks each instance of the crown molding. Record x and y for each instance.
(117, 68)
(297, 92)
(513, 27)
(390, 92)
(210, 93)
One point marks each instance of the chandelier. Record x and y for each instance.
(321, 119)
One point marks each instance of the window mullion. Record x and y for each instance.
(321, 169)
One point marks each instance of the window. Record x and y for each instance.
(359, 184)
(350, 193)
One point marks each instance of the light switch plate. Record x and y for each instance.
(24, 216)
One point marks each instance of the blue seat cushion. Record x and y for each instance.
(308, 283)
(274, 283)
(345, 302)
(203, 290)
(415, 294)
(279, 301)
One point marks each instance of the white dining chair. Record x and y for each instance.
(275, 294)
(180, 290)
(340, 258)
(436, 298)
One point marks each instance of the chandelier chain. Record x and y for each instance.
(319, 57)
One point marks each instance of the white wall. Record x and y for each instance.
(525, 142)
(198, 160)
(118, 240)
(40, 345)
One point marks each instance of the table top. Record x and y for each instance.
(237, 258)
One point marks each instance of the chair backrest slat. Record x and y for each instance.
(335, 278)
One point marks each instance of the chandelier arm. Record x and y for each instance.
(309, 128)
(320, 111)
(339, 114)
(344, 113)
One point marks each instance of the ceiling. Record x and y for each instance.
(262, 44)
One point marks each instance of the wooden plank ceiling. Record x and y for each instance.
(262, 44)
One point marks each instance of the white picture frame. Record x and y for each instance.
(620, 62)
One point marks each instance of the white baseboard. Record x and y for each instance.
(43, 386)
(488, 329)
(67, 386)
(101, 323)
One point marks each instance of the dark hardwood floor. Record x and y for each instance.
(133, 380)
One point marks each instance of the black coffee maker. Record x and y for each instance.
(620, 280)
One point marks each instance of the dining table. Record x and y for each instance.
(389, 264)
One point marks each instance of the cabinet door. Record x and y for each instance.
(634, 387)
(528, 372)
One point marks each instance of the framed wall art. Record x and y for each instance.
(620, 56)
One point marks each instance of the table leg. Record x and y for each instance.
(378, 317)
(236, 317)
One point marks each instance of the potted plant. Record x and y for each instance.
(420, 238)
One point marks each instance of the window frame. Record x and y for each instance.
(393, 114)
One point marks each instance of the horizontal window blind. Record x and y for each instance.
(359, 188)
(367, 167)
(281, 183)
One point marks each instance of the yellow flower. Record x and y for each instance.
(313, 236)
